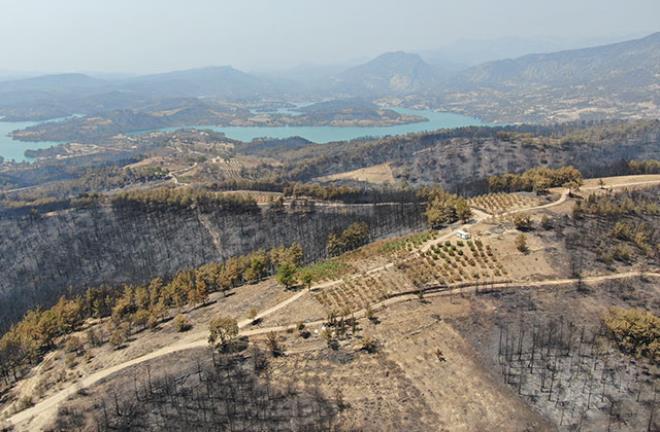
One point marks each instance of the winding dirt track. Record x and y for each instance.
(36, 416)
(43, 410)
(47, 407)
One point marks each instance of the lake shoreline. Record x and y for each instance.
(321, 134)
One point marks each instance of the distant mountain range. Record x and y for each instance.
(390, 73)
(630, 63)
(54, 96)
(621, 74)
(620, 80)
(465, 53)
(224, 82)
(59, 83)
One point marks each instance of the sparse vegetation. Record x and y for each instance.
(353, 237)
(370, 344)
(182, 323)
(523, 222)
(546, 223)
(635, 331)
(223, 332)
(521, 243)
(117, 338)
(286, 274)
(273, 344)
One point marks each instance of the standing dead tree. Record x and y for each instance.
(573, 374)
(227, 393)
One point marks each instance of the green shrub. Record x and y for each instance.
(356, 235)
(635, 331)
(182, 323)
(521, 243)
(622, 253)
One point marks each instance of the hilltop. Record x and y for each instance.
(396, 73)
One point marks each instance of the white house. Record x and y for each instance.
(463, 235)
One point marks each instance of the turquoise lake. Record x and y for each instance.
(326, 134)
(11, 149)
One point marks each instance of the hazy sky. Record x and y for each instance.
(158, 35)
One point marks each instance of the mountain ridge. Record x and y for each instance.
(399, 72)
(619, 79)
(569, 66)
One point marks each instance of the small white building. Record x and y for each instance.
(463, 235)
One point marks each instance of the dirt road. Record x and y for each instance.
(36, 417)
(42, 411)
(174, 174)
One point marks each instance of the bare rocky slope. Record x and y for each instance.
(46, 256)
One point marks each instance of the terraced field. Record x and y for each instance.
(496, 203)
(358, 293)
(415, 268)
(455, 262)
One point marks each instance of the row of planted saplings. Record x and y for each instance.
(355, 293)
(502, 201)
(428, 270)
(456, 257)
(409, 244)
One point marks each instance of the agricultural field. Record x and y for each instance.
(329, 270)
(415, 268)
(455, 262)
(358, 293)
(496, 203)
(403, 246)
